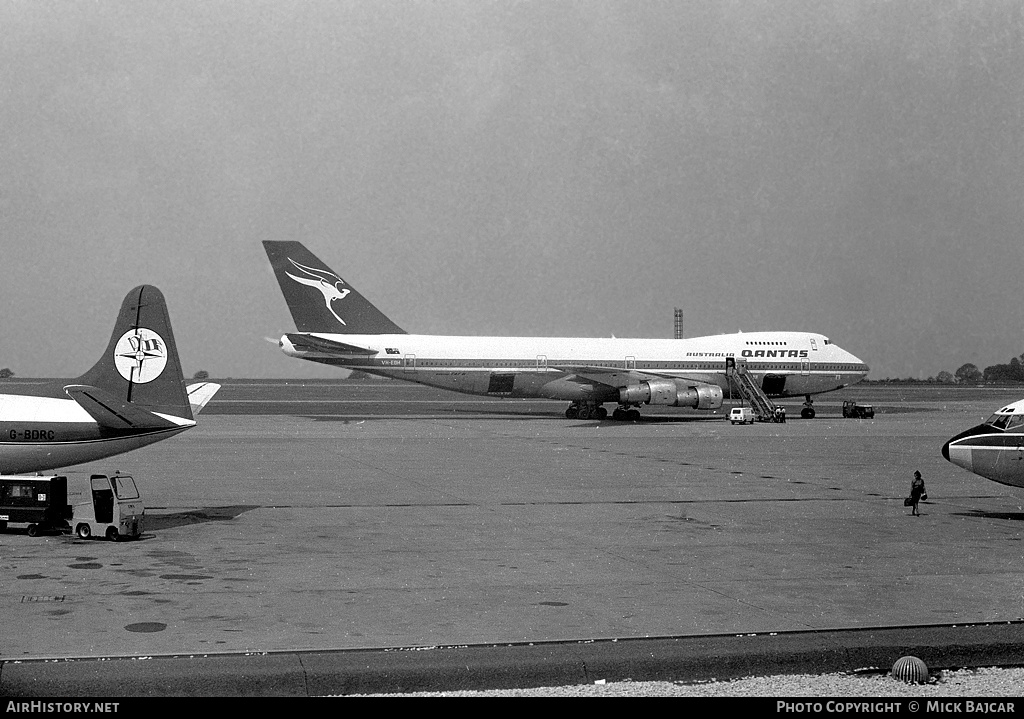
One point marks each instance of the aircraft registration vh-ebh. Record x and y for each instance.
(338, 326)
(133, 396)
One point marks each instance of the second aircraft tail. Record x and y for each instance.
(319, 300)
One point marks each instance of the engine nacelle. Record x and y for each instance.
(672, 393)
(702, 396)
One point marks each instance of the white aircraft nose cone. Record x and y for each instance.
(959, 455)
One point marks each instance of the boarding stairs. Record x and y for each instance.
(752, 394)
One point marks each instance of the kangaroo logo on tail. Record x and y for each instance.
(296, 268)
(327, 282)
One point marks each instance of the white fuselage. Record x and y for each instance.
(40, 433)
(994, 449)
(784, 363)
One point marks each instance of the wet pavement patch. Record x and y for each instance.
(31, 576)
(146, 627)
(86, 565)
(185, 576)
(137, 572)
(553, 604)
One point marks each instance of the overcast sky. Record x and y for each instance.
(854, 168)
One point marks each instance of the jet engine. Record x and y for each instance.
(672, 393)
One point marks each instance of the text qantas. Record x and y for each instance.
(752, 353)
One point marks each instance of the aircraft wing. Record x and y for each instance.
(113, 413)
(199, 394)
(311, 343)
(615, 377)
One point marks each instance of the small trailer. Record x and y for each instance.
(39, 502)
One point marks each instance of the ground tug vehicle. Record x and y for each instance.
(859, 411)
(90, 505)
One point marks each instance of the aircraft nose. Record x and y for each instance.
(854, 359)
(959, 453)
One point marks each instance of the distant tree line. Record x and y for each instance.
(1012, 371)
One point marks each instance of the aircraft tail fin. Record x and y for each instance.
(319, 300)
(140, 365)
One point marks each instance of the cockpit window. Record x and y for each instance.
(1015, 421)
(998, 420)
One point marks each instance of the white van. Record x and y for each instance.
(106, 506)
(741, 415)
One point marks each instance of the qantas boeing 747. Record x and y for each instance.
(338, 326)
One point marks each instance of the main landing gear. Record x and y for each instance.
(808, 411)
(626, 414)
(592, 410)
(585, 410)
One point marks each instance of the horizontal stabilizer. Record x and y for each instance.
(199, 394)
(311, 343)
(113, 413)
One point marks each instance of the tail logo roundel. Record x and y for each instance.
(140, 355)
(329, 284)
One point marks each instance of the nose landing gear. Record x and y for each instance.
(808, 411)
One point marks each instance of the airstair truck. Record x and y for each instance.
(106, 506)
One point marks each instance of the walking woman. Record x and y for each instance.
(917, 492)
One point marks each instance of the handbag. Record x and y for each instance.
(908, 502)
(924, 496)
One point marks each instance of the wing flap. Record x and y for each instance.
(604, 375)
(611, 376)
(112, 413)
(618, 377)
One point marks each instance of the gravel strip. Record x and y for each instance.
(986, 682)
